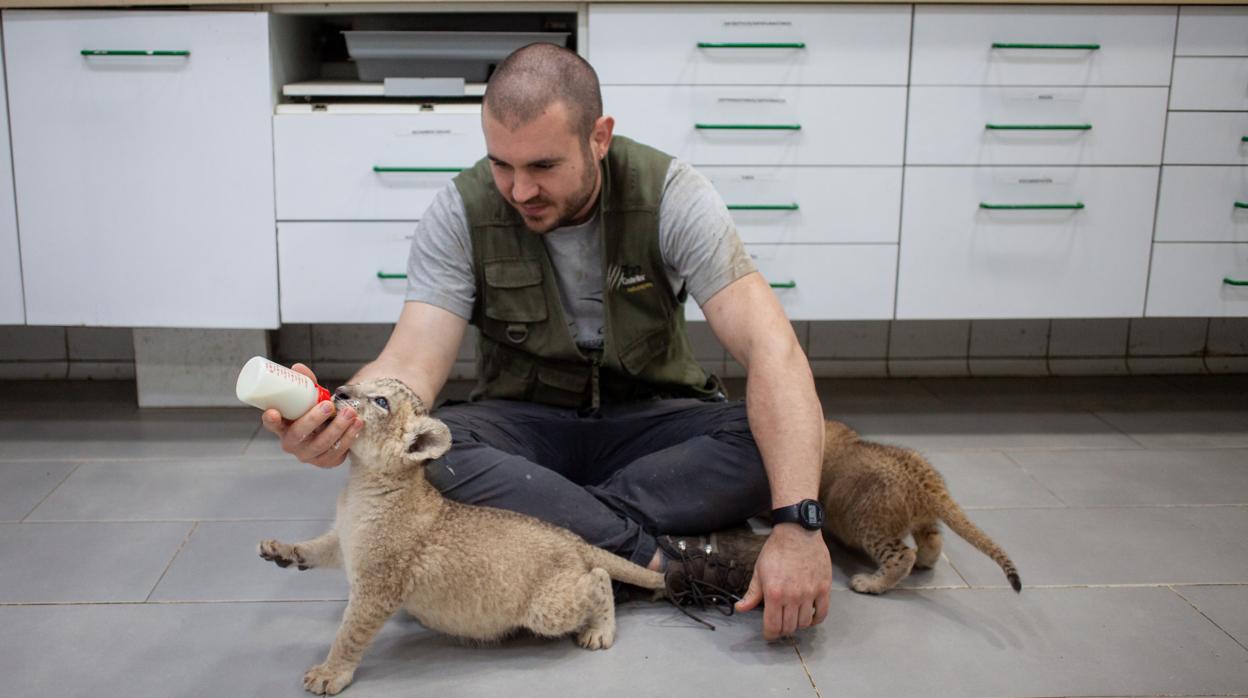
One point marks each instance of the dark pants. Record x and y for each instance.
(618, 480)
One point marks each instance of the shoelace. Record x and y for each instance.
(701, 593)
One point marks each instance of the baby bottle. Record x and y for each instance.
(266, 385)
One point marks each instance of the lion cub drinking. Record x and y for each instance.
(875, 495)
(474, 572)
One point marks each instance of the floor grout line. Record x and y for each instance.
(1034, 479)
(1206, 616)
(177, 552)
(805, 668)
(49, 494)
(200, 519)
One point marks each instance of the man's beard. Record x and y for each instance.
(578, 201)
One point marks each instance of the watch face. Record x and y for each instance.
(812, 514)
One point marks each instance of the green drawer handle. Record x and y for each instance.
(750, 127)
(1038, 127)
(1241, 204)
(103, 52)
(762, 207)
(379, 168)
(1032, 207)
(384, 275)
(784, 284)
(1234, 282)
(1046, 47)
(1244, 139)
(733, 44)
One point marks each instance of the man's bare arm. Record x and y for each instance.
(420, 352)
(794, 571)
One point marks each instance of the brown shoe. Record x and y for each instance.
(710, 570)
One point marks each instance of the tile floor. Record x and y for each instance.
(127, 564)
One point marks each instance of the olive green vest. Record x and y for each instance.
(524, 348)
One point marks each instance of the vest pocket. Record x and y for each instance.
(641, 351)
(513, 290)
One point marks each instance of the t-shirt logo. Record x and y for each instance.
(628, 278)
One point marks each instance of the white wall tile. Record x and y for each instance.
(1009, 338)
(1167, 336)
(33, 370)
(22, 343)
(849, 339)
(1008, 367)
(193, 367)
(1228, 337)
(293, 344)
(1098, 337)
(928, 368)
(100, 343)
(101, 370)
(705, 344)
(1088, 366)
(928, 339)
(1227, 364)
(349, 342)
(849, 368)
(1149, 365)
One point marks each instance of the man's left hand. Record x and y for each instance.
(793, 576)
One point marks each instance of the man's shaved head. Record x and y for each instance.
(538, 75)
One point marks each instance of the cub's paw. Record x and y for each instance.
(866, 584)
(324, 681)
(282, 554)
(596, 638)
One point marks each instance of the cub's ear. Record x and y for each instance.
(427, 439)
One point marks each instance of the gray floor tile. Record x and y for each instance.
(263, 650)
(979, 479)
(194, 490)
(984, 428)
(1044, 642)
(24, 485)
(1227, 606)
(1142, 477)
(1138, 545)
(127, 434)
(43, 563)
(220, 563)
(1182, 428)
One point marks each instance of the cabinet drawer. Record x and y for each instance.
(1198, 204)
(1210, 83)
(144, 182)
(661, 44)
(811, 204)
(333, 272)
(1193, 279)
(764, 125)
(1026, 126)
(12, 306)
(827, 282)
(954, 45)
(1199, 138)
(1212, 31)
(962, 260)
(354, 166)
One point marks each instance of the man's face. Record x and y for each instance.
(543, 169)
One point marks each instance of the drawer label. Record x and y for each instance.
(758, 23)
(752, 100)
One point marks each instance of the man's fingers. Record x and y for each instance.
(773, 621)
(301, 368)
(806, 616)
(305, 428)
(272, 420)
(753, 595)
(330, 438)
(791, 612)
(822, 603)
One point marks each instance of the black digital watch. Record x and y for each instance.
(807, 513)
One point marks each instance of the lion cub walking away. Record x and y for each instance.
(474, 572)
(874, 495)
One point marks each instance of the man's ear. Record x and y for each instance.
(427, 439)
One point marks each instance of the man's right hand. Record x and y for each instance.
(318, 437)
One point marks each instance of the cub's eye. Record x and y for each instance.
(382, 403)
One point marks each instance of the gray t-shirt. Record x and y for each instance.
(697, 238)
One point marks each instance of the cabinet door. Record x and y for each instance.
(143, 163)
(12, 311)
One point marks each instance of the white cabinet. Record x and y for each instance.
(1210, 84)
(343, 271)
(764, 125)
(144, 180)
(987, 242)
(371, 166)
(1042, 45)
(730, 44)
(818, 282)
(1036, 126)
(1198, 279)
(1203, 204)
(12, 310)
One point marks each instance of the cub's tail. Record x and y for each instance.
(622, 570)
(955, 518)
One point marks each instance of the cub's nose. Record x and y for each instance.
(342, 395)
